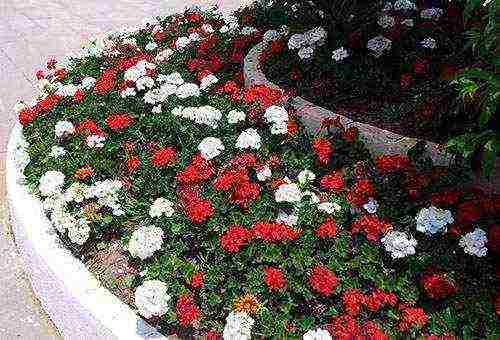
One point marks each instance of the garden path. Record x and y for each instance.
(31, 31)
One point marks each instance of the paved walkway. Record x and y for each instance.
(31, 31)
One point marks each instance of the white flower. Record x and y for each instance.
(249, 139)
(145, 241)
(19, 106)
(289, 192)
(404, 5)
(151, 46)
(399, 244)
(306, 52)
(378, 45)
(144, 83)
(182, 42)
(264, 173)
(51, 183)
(156, 109)
(433, 220)
(371, 206)
(128, 92)
(408, 22)
(162, 206)
(234, 116)
(386, 21)
(238, 326)
(76, 192)
(288, 219)
(79, 231)
(306, 176)
(340, 54)
(194, 37)
(57, 151)
(207, 28)
(164, 55)
(210, 147)
(270, 35)
(431, 13)
(474, 243)
(151, 298)
(67, 90)
(64, 127)
(188, 90)
(95, 141)
(208, 81)
(428, 43)
(317, 334)
(329, 207)
(297, 41)
(316, 36)
(276, 114)
(247, 30)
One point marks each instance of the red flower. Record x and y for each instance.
(164, 157)
(48, 103)
(344, 327)
(51, 63)
(61, 74)
(84, 173)
(353, 300)
(378, 299)
(413, 318)
(468, 212)
(119, 121)
(88, 127)
(373, 331)
(420, 67)
(332, 182)
(446, 198)
(327, 229)
(213, 335)
(39, 74)
(79, 96)
(106, 82)
(234, 239)
(275, 232)
(392, 163)
(198, 171)
(361, 192)
(194, 17)
(323, 150)
(245, 193)
(133, 163)
(323, 280)
(274, 278)
(198, 211)
(351, 134)
(197, 280)
(263, 94)
(187, 310)
(438, 286)
(27, 115)
(230, 87)
(229, 179)
(159, 36)
(371, 226)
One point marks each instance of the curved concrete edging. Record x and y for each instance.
(378, 141)
(75, 301)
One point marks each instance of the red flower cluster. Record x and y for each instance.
(262, 94)
(274, 278)
(187, 310)
(198, 171)
(351, 134)
(245, 193)
(197, 209)
(371, 226)
(323, 150)
(238, 181)
(361, 192)
(345, 327)
(275, 232)
(437, 286)
(164, 157)
(27, 115)
(119, 121)
(323, 280)
(412, 318)
(332, 182)
(133, 163)
(235, 238)
(353, 300)
(392, 163)
(47, 104)
(327, 229)
(88, 127)
(197, 280)
(106, 81)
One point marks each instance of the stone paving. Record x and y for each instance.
(31, 31)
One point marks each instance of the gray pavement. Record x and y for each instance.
(31, 31)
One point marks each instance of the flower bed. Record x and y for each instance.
(389, 64)
(236, 220)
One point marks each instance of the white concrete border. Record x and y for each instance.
(75, 301)
(378, 141)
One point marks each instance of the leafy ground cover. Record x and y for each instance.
(239, 222)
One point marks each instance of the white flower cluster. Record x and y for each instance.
(306, 42)
(238, 326)
(145, 241)
(399, 244)
(277, 116)
(433, 220)
(152, 298)
(234, 116)
(340, 54)
(66, 90)
(207, 82)
(306, 176)
(386, 21)
(203, 115)
(57, 151)
(329, 207)
(371, 206)
(210, 147)
(162, 207)
(172, 84)
(95, 141)
(51, 183)
(474, 243)
(378, 45)
(288, 192)
(431, 13)
(429, 43)
(249, 139)
(63, 127)
(288, 219)
(404, 5)
(317, 334)
(138, 74)
(164, 55)
(264, 173)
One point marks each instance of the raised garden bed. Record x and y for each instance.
(230, 218)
